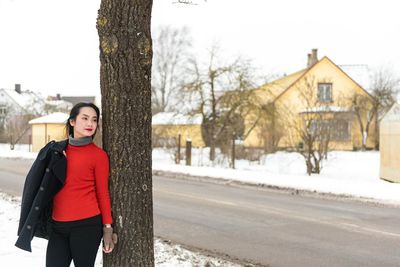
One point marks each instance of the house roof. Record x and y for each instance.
(26, 100)
(58, 103)
(171, 118)
(76, 99)
(279, 87)
(393, 114)
(56, 118)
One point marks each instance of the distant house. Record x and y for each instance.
(16, 101)
(76, 99)
(56, 104)
(65, 103)
(330, 93)
(167, 126)
(16, 107)
(47, 128)
(53, 127)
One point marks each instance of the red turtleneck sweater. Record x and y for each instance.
(85, 192)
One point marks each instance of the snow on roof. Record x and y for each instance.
(325, 109)
(360, 73)
(21, 99)
(393, 114)
(171, 118)
(27, 100)
(57, 117)
(57, 102)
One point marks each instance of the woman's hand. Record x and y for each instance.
(109, 239)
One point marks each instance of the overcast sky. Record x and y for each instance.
(52, 45)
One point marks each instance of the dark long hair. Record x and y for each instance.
(74, 113)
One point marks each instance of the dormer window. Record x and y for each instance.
(325, 92)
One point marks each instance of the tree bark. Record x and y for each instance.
(125, 74)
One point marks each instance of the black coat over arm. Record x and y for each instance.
(45, 178)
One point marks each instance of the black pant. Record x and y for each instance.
(74, 240)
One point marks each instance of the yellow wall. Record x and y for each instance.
(389, 147)
(186, 131)
(39, 131)
(290, 103)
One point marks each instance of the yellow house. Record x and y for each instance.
(167, 126)
(47, 128)
(322, 93)
(52, 127)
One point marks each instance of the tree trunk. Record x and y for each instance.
(212, 149)
(364, 140)
(125, 75)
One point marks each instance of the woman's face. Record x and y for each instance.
(85, 123)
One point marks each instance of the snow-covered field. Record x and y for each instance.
(349, 173)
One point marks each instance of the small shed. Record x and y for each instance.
(47, 128)
(166, 127)
(389, 145)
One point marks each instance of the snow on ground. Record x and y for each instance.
(166, 255)
(20, 151)
(348, 173)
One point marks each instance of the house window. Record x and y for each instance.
(3, 110)
(336, 129)
(341, 130)
(325, 92)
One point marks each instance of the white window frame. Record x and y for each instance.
(325, 92)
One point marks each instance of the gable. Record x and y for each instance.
(7, 100)
(26, 101)
(325, 71)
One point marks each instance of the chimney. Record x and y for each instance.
(58, 97)
(18, 88)
(314, 56)
(308, 60)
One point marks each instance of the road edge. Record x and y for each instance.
(275, 188)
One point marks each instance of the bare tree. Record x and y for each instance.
(385, 86)
(365, 109)
(219, 91)
(14, 121)
(17, 127)
(308, 131)
(5, 111)
(125, 79)
(370, 108)
(261, 114)
(171, 52)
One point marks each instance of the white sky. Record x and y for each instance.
(52, 45)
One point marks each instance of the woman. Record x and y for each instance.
(80, 208)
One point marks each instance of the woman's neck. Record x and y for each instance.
(80, 141)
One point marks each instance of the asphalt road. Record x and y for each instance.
(263, 226)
